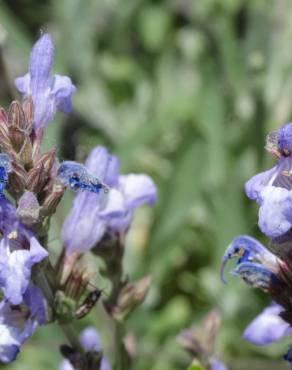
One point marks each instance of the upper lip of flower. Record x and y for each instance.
(49, 93)
(246, 248)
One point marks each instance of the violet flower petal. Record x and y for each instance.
(247, 248)
(48, 93)
(255, 275)
(83, 227)
(284, 135)
(256, 184)
(267, 327)
(89, 339)
(275, 213)
(103, 165)
(18, 325)
(15, 268)
(138, 190)
(217, 365)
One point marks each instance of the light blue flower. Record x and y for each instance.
(92, 215)
(19, 251)
(17, 323)
(49, 93)
(267, 327)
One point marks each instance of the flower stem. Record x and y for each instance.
(71, 336)
(121, 356)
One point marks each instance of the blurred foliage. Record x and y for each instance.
(186, 92)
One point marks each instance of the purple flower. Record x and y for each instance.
(17, 323)
(19, 251)
(267, 327)
(256, 275)
(92, 215)
(284, 138)
(49, 93)
(273, 192)
(90, 341)
(217, 365)
(246, 248)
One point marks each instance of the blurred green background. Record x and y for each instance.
(185, 91)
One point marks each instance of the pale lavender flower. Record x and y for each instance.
(272, 190)
(217, 365)
(284, 138)
(246, 248)
(92, 215)
(19, 251)
(49, 93)
(267, 327)
(90, 341)
(17, 323)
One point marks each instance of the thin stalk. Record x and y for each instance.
(121, 360)
(71, 336)
(121, 356)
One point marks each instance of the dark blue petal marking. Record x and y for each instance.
(255, 275)
(5, 168)
(76, 176)
(246, 248)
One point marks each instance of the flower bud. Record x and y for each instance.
(25, 153)
(28, 209)
(16, 115)
(47, 160)
(17, 137)
(17, 178)
(5, 143)
(27, 106)
(3, 116)
(36, 179)
(52, 200)
(131, 296)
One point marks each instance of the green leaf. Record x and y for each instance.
(195, 365)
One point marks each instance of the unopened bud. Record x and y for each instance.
(25, 153)
(47, 160)
(131, 296)
(16, 115)
(27, 106)
(3, 116)
(17, 137)
(5, 143)
(28, 209)
(52, 200)
(36, 179)
(17, 178)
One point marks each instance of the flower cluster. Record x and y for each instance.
(35, 291)
(269, 269)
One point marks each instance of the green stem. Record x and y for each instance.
(121, 360)
(121, 356)
(71, 336)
